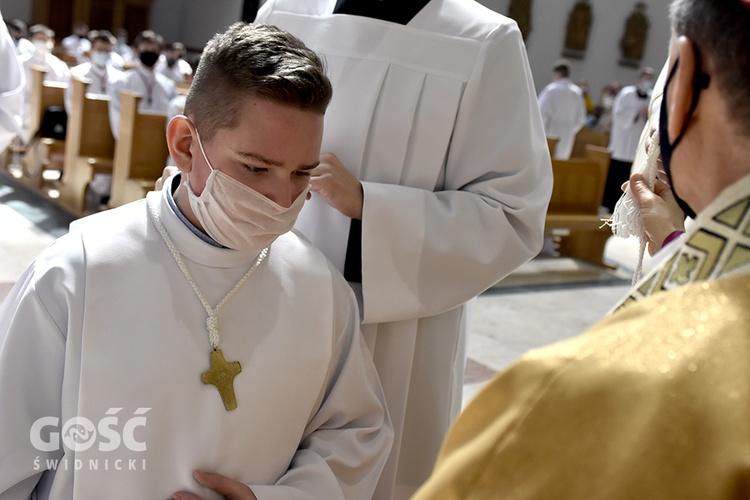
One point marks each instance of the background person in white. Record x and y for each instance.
(629, 115)
(99, 71)
(19, 33)
(563, 109)
(118, 324)
(78, 43)
(157, 90)
(440, 151)
(172, 65)
(43, 39)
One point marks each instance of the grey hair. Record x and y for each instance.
(720, 30)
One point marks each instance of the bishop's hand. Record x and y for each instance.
(231, 489)
(337, 186)
(660, 213)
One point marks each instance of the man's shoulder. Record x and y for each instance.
(300, 255)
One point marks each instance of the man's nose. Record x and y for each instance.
(283, 193)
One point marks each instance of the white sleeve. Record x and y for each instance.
(347, 441)
(32, 352)
(427, 252)
(546, 107)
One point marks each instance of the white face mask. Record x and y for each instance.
(100, 58)
(43, 46)
(236, 215)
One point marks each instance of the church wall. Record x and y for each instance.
(599, 66)
(17, 9)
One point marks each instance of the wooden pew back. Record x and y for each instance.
(585, 137)
(573, 211)
(140, 151)
(89, 148)
(578, 186)
(43, 95)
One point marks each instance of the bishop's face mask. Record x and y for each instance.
(236, 215)
(700, 82)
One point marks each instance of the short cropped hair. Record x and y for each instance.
(254, 60)
(149, 36)
(17, 25)
(176, 46)
(720, 30)
(40, 28)
(102, 36)
(563, 67)
(646, 71)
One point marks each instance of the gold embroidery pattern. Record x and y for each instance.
(719, 247)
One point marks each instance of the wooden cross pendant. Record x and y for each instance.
(222, 375)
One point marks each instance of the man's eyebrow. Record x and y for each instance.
(260, 158)
(268, 161)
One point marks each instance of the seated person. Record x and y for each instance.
(19, 33)
(653, 401)
(100, 70)
(77, 44)
(172, 65)
(132, 310)
(43, 39)
(157, 90)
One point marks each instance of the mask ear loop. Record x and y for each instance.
(200, 145)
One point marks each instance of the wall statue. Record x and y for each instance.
(633, 40)
(579, 25)
(520, 12)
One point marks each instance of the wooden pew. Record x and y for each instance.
(140, 151)
(47, 152)
(585, 137)
(89, 145)
(573, 212)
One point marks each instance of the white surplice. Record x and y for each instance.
(104, 325)
(564, 113)
(439, 119)
(627, 122)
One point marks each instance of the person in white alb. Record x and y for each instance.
(191, 345)
(629, 115)
(43, 39)
(172, 65)
(19, 32)
(78, 43)
(157, 90)
(100, 71)
(433, 186)
(563, 109)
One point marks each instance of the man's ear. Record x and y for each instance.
(681, 87)
(179, 140)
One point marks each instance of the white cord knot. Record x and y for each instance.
(212, 324)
